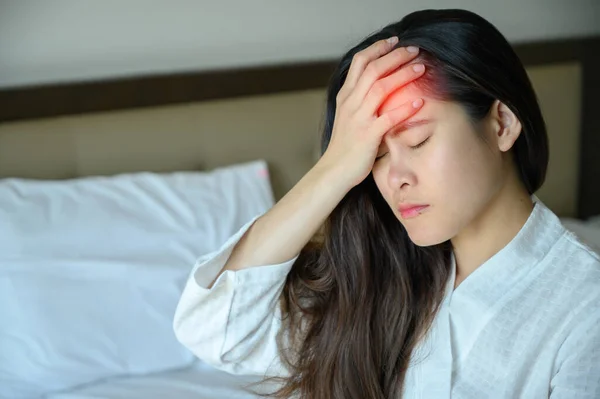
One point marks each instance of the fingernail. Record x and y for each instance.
(412, 49)
(392, 40)
(418, 68)
(417, 103)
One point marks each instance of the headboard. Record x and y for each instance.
(208, 119)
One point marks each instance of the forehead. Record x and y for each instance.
(406, 93)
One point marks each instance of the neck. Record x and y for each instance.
(492, 230)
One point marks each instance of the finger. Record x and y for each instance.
(393, 117)
(362, 58)
(382, 88)
(379, 69)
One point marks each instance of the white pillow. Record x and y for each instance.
(91, 269)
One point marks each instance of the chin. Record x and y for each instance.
(426, 238)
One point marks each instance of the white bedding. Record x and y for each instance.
(91, 270)
(197, 382)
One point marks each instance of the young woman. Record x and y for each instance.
(438, 272)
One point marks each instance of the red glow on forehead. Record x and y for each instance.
(397, 98)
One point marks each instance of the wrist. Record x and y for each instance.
(332, 175)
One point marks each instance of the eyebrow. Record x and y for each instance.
(410, 124)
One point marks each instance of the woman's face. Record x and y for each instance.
(454, 171)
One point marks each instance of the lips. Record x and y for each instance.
(412, 210)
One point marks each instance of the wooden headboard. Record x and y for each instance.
(207, 119)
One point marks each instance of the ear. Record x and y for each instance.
(505, 126)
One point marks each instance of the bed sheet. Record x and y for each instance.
(198, 381)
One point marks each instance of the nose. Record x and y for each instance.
(399, 175)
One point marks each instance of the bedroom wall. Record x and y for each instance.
(68, 40)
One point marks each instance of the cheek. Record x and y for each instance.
(448, 163)
(463, 172)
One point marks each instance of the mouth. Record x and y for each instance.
(412, 212)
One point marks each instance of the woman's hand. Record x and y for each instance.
(358, 129)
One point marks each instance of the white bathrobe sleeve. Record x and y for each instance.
(578, 374)
(233, 325)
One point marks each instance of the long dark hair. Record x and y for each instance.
(358, 301)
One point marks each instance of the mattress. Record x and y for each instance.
(199, 381)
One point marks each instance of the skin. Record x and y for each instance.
(464, 173)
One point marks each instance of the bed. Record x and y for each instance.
(110, 190)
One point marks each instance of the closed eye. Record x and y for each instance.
(421, 144)
(416, 147)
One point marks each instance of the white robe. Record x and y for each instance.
(525, 324)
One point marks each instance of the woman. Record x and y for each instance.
(438, 271)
